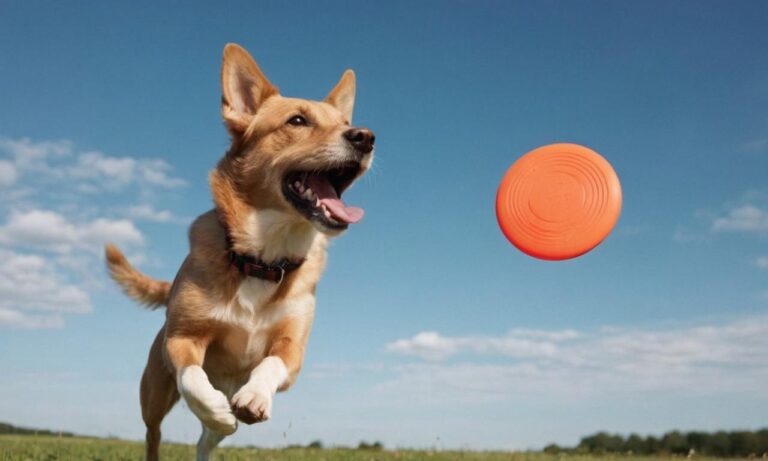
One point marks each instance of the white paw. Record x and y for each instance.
(208, 404)
(252, 405)
(214, 411)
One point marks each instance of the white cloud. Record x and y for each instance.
(44, 229)
(34, 294)
(551, 335)
(745, 218)
(683, 235)
(103, 230)
(38, 288)
(710, 358)
(36, 159)
(117, 171)
(38, 228)
(8, 173)
(55, 220)
(756, 145)
(33, 155)
(517, 343)
(762, 262)
(156, 171)
(149, 213)
(89, 172)
(427, 345)
(17, 319)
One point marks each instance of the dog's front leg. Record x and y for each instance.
(276, 372)
(211, 406)
(253, 402)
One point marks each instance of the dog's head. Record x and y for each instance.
(294, 156)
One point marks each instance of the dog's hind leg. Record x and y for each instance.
(158, 395)
(208, 441)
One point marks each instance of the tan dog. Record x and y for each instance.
(241, 306)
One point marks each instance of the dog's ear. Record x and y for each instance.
(244, 88)
(342, 96)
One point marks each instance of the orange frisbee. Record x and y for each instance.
(558, 201)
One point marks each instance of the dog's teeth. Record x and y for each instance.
(308, 194)
(297, 185)
(317, 202)
(325, 210)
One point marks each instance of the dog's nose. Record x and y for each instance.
(361, 139)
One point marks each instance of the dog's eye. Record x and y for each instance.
(297, 120)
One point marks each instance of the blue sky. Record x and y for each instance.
(431, 330)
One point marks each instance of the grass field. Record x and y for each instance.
(49, 448)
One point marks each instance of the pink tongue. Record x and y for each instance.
(327, 195)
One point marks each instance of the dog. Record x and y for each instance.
(240, 309)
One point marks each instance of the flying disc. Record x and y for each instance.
(558, 201)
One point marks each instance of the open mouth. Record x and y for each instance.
(317, 195)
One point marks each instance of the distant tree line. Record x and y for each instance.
(6, 428)
(720, 444)
(375, 446)
(318, 445)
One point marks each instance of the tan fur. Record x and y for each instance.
(217, 319)
(153, 293)
(158, 394)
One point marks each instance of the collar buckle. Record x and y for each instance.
(281, 274)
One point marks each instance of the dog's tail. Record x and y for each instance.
(146, 290)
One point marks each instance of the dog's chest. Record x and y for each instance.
(250, 319)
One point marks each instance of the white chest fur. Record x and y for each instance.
(250, 300)
(253, 317)
(278, 235)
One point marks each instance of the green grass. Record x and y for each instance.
(50, 448)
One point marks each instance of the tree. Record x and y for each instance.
(674, 442)
(743, 443)
(698, 441)
(720, 444)
(762, 441)
(636, 445)
(602, 442)
(377, 446)
(652, 445)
